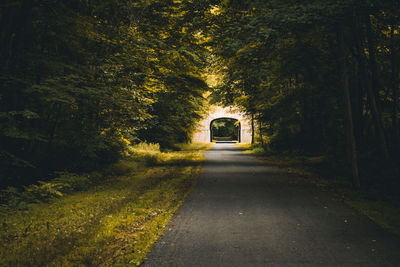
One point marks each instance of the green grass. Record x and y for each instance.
(380, 212)
(114, 220)
(378, 207)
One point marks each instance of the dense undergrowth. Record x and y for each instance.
(378, 203)
(109, 217)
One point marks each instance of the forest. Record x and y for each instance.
(88, 84)
(320, 78)
(81, 80)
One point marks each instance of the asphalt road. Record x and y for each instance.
(244, 213)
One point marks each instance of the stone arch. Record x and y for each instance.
(202, 133)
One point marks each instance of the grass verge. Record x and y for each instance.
(114, 220)
(380, 208)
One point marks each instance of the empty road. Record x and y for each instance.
(244, 213)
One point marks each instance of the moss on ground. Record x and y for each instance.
(113, 222)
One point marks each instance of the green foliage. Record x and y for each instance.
(71, 182)
(183, 154)
(139, 156)
(280, 62)
(81, 79)
(12, 198)
(148, 153)
(227, 128)
(92, 226)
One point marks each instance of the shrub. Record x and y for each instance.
(12, 199)
(72, 182)
(148, 153)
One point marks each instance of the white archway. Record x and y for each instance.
(202, 134)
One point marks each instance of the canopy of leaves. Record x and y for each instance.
(280, 62)
(81, 79)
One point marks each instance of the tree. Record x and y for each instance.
(281, 63)
(82, 78)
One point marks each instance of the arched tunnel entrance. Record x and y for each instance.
(203, 133)
(225, 129)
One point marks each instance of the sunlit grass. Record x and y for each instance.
(243, 145)
(114, 221)
(151, 154)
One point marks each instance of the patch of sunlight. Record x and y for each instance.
(215, 10)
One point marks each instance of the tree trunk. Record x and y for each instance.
(260, 131)
(361, 124)
(395, 111)
(252, 128)
(372, 61)
(348, 110)
(359, 84)
(372, 92)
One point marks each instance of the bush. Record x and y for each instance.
(11, 198)
(72, 182)
(120, 168)
(148, 153)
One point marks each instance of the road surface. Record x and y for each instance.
(244, 213)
